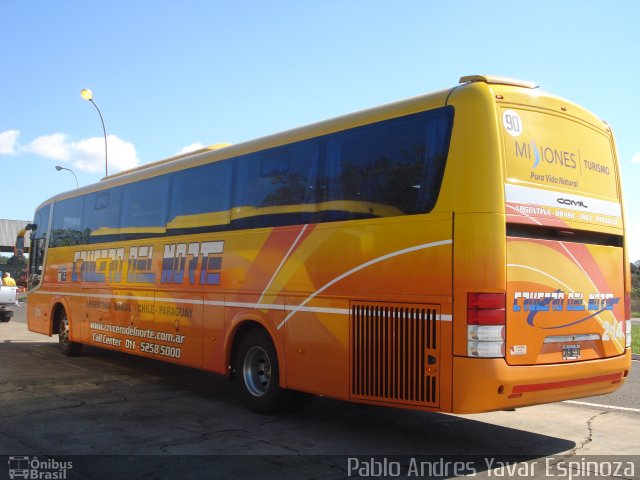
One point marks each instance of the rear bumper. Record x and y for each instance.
(481, 385)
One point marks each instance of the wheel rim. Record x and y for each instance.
(64, 331)
(256, 371)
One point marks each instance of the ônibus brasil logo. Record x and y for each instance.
(34, 468)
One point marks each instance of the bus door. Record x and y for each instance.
(38, 306)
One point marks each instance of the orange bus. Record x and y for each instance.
(461, 251)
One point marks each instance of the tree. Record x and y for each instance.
(18, 260)
(635, 279)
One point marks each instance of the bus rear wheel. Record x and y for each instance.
(257, 374)
(68, 347)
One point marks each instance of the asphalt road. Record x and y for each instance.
(118, 416)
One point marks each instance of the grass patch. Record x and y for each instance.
(635, 339)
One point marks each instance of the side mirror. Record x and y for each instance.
(19, 247)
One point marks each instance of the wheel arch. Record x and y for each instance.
(240, 327)
(58, 307)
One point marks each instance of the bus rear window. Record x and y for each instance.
(558, 152)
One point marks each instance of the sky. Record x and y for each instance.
(169, 76)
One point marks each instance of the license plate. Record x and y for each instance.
(570, 352)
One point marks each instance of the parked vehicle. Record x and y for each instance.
(462, 251)
(8, 302)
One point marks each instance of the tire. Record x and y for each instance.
(5, 316)
(69, 348)
(257, 374)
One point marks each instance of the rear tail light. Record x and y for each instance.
(627, 331)
(486, 333)
(627, 306)
(485, 349)
(486, 319)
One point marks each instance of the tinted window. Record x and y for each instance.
(144, 204)
(198, 191)
(275, 162)
(289, 175)
(67, 228)
(279, 177)
(38, 243)
(102, 213)
(389, 168)
(41, 220)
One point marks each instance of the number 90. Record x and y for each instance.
(512, 123)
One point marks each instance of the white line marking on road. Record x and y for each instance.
(612, 407)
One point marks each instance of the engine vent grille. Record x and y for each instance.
(394, 353)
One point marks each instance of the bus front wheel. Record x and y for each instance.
(257, 374)
(68, 347)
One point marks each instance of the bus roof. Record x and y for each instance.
(512, 90)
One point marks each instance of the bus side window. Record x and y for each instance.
(144, 205)
(283, 177)
(437, 139)
(102, 215)
(292, 177)
(197, 192)
(386, 169)
(67, 228)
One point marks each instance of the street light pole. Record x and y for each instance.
(58, 168)
(88, 95)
